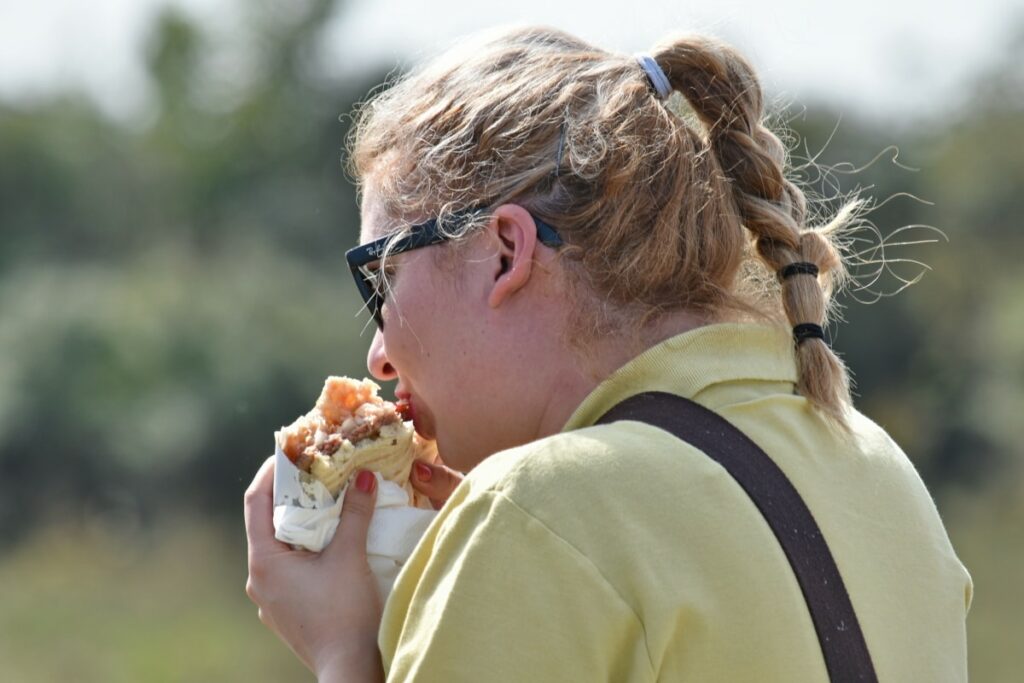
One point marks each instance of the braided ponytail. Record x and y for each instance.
(724, 93)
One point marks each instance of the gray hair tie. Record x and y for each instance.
(655, 75)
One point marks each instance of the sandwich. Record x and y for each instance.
(351, 428)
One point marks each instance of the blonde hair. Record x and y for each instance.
(662, 209)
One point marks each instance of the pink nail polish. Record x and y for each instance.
(423, 472)
(365, 481)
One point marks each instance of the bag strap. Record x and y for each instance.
(842, 642)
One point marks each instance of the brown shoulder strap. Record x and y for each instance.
(842, 643)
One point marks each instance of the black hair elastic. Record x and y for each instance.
(798, 268)
(807, 331)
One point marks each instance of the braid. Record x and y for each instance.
(724, 93)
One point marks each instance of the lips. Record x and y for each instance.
(406, 410)
(405, 398)
(402, 395)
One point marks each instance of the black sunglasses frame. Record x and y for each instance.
(420, 235)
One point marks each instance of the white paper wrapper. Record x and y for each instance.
(306, 516)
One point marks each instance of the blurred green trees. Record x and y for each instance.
(172, 292)
(170, 295)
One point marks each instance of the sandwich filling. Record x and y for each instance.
(350, 428)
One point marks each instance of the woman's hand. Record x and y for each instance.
(435, 481)
(325, 605)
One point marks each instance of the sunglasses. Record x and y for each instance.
(364, 260)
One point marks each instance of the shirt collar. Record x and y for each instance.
(693, 361)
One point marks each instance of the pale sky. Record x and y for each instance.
(879, 57)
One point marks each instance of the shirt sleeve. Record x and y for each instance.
(504, 598)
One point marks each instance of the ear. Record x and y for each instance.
(516, 235)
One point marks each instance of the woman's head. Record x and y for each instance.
(663, 206)
(476, 350)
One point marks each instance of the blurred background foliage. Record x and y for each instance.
(172, 291)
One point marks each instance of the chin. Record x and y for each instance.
(446, 454)
(462, 457)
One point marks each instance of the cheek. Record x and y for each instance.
(471, 392)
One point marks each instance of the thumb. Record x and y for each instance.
(435, 481)
(356, 512)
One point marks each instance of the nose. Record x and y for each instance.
(377, 359)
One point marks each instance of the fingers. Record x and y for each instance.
(356, 513)
(435, 481)
(259, 512)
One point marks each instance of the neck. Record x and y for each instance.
(582, 369)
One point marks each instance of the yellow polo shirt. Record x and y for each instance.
(620, 553)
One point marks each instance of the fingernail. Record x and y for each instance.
(423, 472)
(365, 481)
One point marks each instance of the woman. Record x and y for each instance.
(561, 231)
